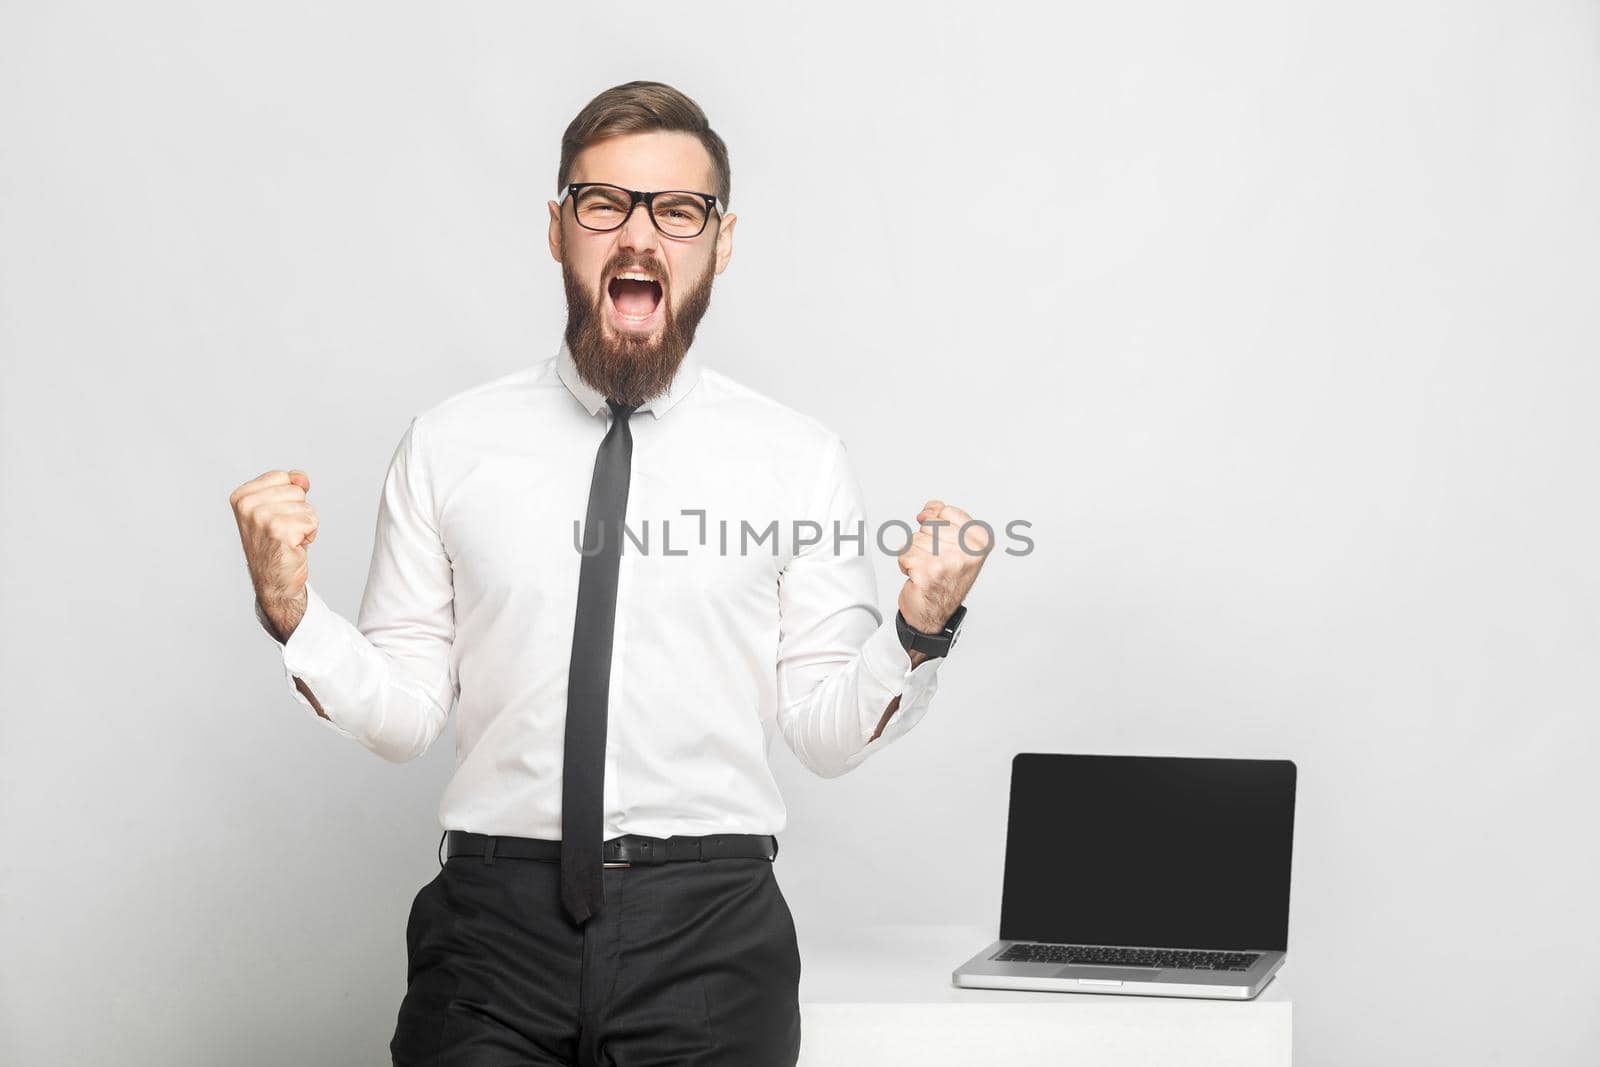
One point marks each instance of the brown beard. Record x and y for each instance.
(627, 368)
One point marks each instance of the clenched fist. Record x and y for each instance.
(276, 524)
(940, 564)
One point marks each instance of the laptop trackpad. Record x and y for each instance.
(1109, 974)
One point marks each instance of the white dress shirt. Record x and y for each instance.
(472, 592)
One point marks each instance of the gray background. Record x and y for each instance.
(1277, 320)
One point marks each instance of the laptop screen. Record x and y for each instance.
(1152, 851)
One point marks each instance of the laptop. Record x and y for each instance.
(1146, 875)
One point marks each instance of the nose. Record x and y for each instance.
(638, 233)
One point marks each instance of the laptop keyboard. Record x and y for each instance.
(1111, 956)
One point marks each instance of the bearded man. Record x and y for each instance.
(608, 895)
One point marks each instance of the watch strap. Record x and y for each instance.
(930, 645)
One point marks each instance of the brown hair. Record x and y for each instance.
(641, 107)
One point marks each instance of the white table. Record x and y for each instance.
(883, 996)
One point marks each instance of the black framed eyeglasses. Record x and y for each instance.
(603, 207)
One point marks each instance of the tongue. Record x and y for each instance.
(635, 299)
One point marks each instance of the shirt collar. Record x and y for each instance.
(594, 402)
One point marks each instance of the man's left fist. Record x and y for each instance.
(940, 564)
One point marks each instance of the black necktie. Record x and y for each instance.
(589, 676)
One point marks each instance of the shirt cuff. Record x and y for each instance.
(889, 662)
(314, 646)
(886, 660)
(310, 651)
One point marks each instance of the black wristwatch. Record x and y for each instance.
(930, 645)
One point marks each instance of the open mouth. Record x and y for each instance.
(635, 299)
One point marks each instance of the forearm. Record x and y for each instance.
(284, 614)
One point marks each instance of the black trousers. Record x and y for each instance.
(690, 962)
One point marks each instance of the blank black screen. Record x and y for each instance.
(1159, 851)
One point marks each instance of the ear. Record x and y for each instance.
(555, 231)
(725, 241)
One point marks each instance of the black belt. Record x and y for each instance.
(624, 851)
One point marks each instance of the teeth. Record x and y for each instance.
(635, 276)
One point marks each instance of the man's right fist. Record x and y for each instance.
(276, 524)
